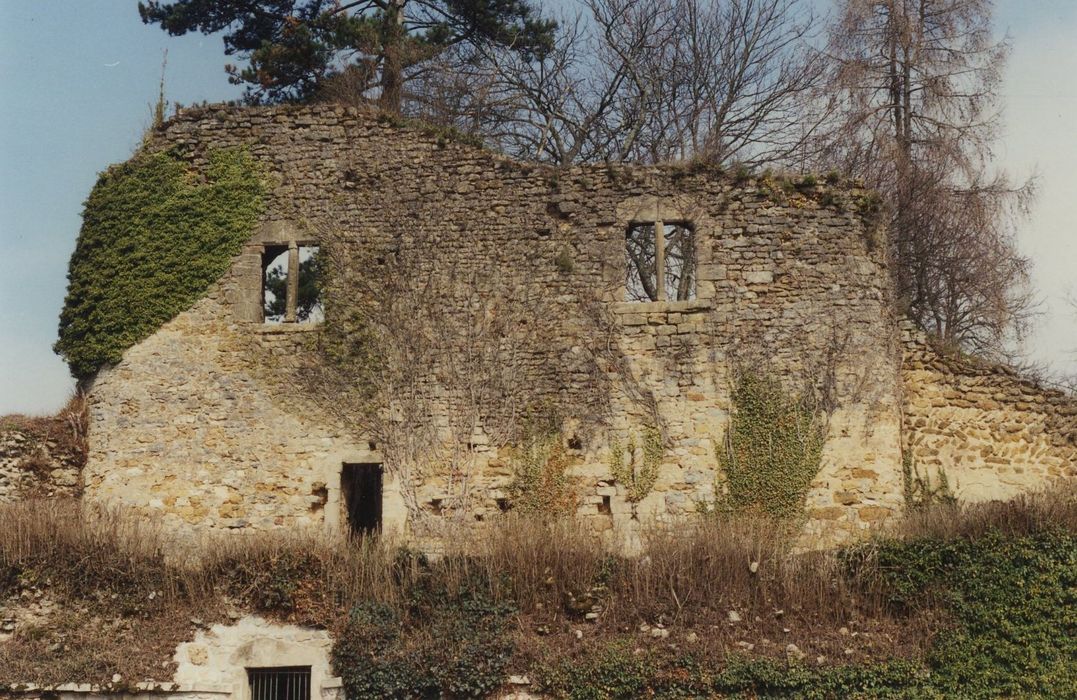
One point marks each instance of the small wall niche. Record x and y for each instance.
(361, 490)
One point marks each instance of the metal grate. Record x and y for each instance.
(282, 683)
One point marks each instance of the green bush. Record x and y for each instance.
(618, 671)
(455, 645)
(155, 235)
(1014, 603)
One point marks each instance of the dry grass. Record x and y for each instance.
(1026, 514)
(115, 590)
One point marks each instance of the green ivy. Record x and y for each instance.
(917, 488)
(620, 670)
(1014, 603)
(455, 646)
(637, 474)
(541, 483)
(772, 450)
(155, 235)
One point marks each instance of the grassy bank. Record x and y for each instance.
(962, 602)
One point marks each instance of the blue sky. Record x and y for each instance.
(77, 79)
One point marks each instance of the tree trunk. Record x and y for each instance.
(392, 69)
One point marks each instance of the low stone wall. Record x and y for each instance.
(220, 656)
(988, 432)
(33, 465)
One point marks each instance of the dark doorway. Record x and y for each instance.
(360, 486)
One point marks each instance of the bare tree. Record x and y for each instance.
(653, 81)
(915, 84)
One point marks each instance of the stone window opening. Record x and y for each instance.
(361, 491)
(279, 683)
(287, 297)
(660, 261)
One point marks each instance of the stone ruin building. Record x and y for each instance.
(205, 425)
(532, 290)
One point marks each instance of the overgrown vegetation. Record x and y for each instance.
(772, 449)
(962, 602)
(64, 434)
(635, 465)
(155, 235)
(455, 644)
(541, 483)
(918, 489)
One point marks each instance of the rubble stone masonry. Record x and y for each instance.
(988, 432)
(193, 426)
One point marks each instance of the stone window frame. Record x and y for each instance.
(659, 232)
(291, 304)
(249, 299)
(650, 209)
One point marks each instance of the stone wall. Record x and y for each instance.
(204, 424)
(35, 464)
(990, 433)
(220, 656)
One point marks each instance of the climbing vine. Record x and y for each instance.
(635, 466)
(541, 482)
(919, 491)
(772, 448)
(155, 235)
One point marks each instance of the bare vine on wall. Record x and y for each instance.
(442, 355)
(427, 361)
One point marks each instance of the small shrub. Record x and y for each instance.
(612, 671)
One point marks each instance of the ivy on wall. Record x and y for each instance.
(919, 491)
(636, 466)
(541, 482)
(155, 235)
(772, 448)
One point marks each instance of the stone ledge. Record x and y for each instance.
(661, 307)
(271, 328)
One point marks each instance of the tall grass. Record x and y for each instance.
(702, 569)
(698, 571)
(1025, 514)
